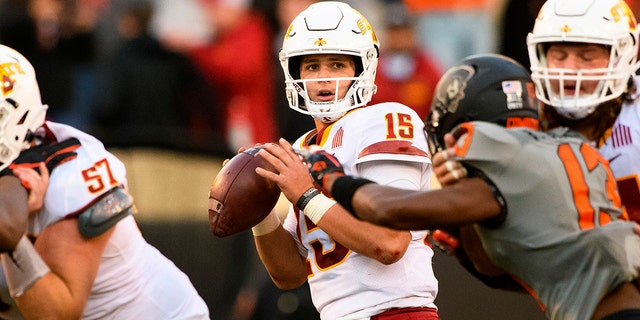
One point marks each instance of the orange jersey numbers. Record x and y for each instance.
(99, 177)
(399, 126)
(580, 187)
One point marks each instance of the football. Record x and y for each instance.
(239, 198)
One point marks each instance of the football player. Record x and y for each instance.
(355, 270)
(81, 254)
(583, 61)
(544, 204)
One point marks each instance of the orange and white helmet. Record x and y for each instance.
(21, 110)
(330, 27)
(606, 22)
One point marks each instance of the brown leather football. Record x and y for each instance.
(239, 198)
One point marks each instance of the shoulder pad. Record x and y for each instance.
(104, 213)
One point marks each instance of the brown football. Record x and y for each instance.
(239, 198)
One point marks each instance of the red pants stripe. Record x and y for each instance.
(408, 314)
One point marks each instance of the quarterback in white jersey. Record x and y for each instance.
(82, 255)
(344, 282)
(355, 270)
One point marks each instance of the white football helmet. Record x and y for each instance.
(330, 27)
(607, 22)
(21, 110)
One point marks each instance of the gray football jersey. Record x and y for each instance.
(562, 236)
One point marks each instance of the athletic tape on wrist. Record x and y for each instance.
(23, 267)
(267, 225)
(344, 188)
(317, 207)
(306, 197)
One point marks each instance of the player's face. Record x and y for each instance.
(577, 56)
(323, 66)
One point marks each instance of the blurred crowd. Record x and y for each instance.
(204, 75)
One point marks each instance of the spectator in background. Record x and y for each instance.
(239, 67)
(454, 29)
(154, 96)
(406, 72)
(57, 36)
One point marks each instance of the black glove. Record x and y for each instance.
(51, 154)
(320, 163)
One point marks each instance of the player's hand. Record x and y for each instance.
(447, 170)
(444, 241)
(36, 183)
(292, 175)
(51, 154)
(321, 164)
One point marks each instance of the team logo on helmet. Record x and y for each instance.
(320, 42)
(7, 70)
(451, 89)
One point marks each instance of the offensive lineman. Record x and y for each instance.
(82, 255)
(355, 270)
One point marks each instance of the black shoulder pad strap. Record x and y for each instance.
(104, 213)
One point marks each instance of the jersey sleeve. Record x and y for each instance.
(76, 184)
(485, 146)
(390, 131)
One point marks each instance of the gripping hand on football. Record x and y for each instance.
(321, 164)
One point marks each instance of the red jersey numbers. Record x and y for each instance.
(326, 255)
(99, 178)
(399, 126)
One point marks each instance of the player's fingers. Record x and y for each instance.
(44, 172)
(636, 229)
(268, 154)
(286, 146)
(272, 176)
(449, 140)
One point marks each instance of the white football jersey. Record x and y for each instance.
(134, 280)
(345, 284)
(622, 149)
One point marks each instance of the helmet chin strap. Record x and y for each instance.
(328, 117)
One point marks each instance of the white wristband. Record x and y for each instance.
(23, 267)
(317, 207)
(267, 225)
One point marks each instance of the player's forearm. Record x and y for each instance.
(49, 298)
(379, 243)
(467, 202)
(281, 258)
(13, 212)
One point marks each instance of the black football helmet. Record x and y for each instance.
(487, 87)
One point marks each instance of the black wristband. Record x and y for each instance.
(344, 188)
(306, 197)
